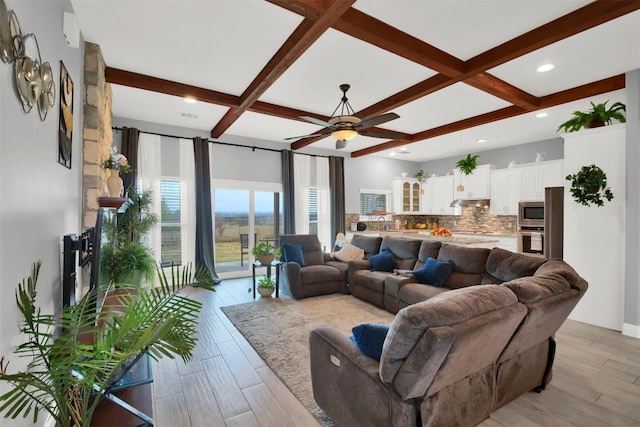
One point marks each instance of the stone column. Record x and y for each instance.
(97, 134)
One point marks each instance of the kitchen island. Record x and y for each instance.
(474, 241)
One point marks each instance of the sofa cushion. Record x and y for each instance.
(320, 273)
(505, 265)
(413, 293)
(434, 272)
(369, 338)
(293, 253)
(470, 264)
(349, 253)
(428, 249)
(369, 244)
(404, 249)
(384, 261)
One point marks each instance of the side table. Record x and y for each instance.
(275, 264)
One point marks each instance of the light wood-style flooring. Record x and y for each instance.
(596, 380)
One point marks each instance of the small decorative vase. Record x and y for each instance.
(265, 292)
(114, 183)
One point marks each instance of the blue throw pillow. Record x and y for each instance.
(369, 338)
(383, 261)
(293, 253)
(435, 272)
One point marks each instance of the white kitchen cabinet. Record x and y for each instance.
(536, 177)
(438, 195)
(505, 191)
(406, 196)
(475, 185)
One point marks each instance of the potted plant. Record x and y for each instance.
(599, 115)
(265, 252)
(76, 356)
(124, 258)
(468, 164)
(266, 285)
(589, 186)
(421, 176)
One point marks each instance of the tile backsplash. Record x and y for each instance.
(471, 220)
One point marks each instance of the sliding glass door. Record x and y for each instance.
(245, 213)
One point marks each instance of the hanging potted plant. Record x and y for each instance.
(265, 252)
(599, 115)
(468, 164)
(589, 186)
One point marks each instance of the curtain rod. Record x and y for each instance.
(230, 144)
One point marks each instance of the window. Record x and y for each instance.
(170, 223)
(372, 201)
(312, 196)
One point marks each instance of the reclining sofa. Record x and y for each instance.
(454, 353)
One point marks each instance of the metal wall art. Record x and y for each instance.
(34, 79)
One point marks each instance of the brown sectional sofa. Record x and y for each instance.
(453, 354)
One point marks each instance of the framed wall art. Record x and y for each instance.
(65, 132)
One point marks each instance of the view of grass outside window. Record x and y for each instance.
(235, 216)
(170, 223)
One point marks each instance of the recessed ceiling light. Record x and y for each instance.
(393, 153)
(540, 115)
(481, 140)
(545, 67)
(403, 148)
(189, 100)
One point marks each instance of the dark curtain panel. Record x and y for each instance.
(288, 191)
(336, 186)
(129, 147)
(204, 213)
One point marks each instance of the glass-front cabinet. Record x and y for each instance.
(406, 196)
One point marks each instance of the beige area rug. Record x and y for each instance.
(278, 329)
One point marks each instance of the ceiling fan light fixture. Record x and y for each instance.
(344, 134)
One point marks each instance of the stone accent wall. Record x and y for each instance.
(97, 135)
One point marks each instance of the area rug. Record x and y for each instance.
(278, 329)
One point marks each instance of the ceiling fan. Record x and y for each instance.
(346, 125)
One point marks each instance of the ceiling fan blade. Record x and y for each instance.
(374, 121)
(340, 143)
(382, 134)
(317, 121)
(320, 133)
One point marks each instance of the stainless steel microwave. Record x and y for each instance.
(531, 214)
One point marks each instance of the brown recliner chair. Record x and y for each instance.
(437, 367)
(315, 277)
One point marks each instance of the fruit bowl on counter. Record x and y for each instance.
(438, 231)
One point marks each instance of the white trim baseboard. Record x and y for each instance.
(631, 330)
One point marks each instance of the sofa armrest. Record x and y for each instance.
(347, 386)
(292, 279)
(328, 257)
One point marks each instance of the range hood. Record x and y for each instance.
(473, 203)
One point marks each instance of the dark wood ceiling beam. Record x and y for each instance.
(155, 84)
(373, 31)
(580, 92)
(296, 44)
(575, 22)
(501, 89)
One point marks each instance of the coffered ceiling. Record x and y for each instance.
(455, 71)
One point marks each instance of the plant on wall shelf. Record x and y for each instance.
(421, 176)
(468, 164)
(599, 115)
(589, 186)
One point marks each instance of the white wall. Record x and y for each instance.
(594, 236)
(40, 200)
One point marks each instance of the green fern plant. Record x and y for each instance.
(468, 164)
(599, 115)
(75, 358)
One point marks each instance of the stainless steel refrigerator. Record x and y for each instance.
(553, 222)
